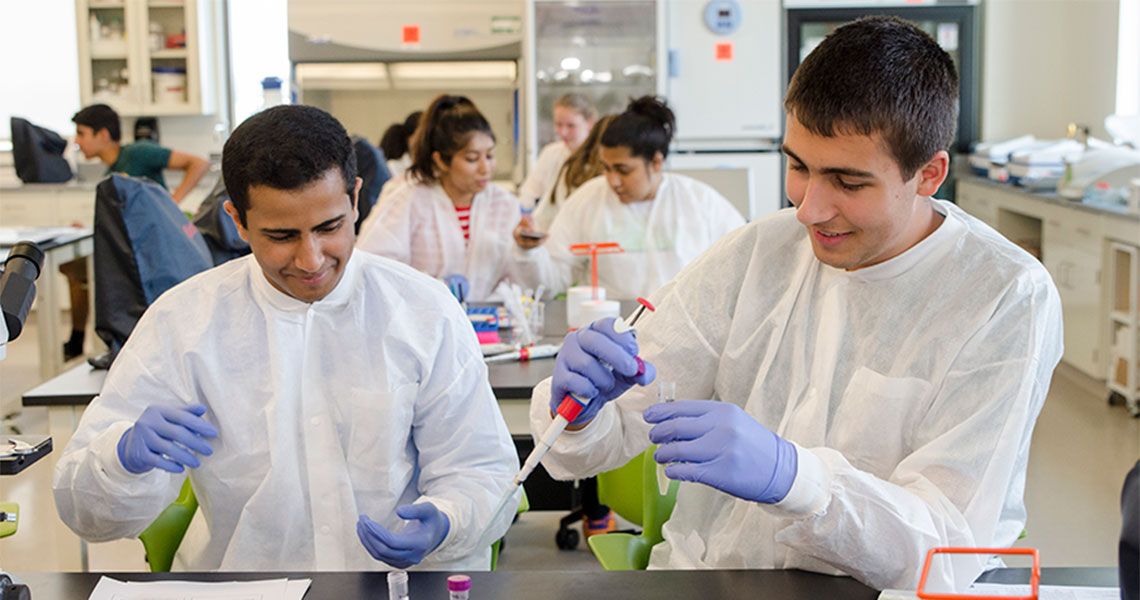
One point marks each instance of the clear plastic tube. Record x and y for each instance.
(666, 392)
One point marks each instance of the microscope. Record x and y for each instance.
(17, 291)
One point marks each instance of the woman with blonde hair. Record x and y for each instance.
(582, 166)
(574, 115)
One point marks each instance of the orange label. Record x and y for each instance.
(411, 34)
(724, 51)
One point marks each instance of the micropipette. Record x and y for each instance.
(571, 406)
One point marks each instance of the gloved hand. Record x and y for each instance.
(581, 367)
(458, 285)
(163, 437)
(720, 445)
(410, 545)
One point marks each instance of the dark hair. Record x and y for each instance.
(583, 163)
(879, 74)
(99, 116)
(285, 147)
(646, 128)
(446, 128)
(394, 142)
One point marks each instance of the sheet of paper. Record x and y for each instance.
(1047, 592)
(271, 589)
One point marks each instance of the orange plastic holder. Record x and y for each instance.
(1034, 576)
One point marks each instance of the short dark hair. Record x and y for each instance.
(646, 128)
(99, 116)
(285, 147)
(879, 74)
(446, 128)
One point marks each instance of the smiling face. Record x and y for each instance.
(301, 238)
(471, 168)
(858, 208)
(631, 177)
(570, 126)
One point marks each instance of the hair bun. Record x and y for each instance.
(655, 108)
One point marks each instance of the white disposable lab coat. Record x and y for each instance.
(373, 397)
(417, 225)
(910, 389)
(659, 237)
(397, 166)
(541, 179)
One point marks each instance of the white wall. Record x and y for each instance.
(39, 64)
(1047, 63)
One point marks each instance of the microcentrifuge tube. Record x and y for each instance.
(458, 586)
(666, 392)
(398, 585)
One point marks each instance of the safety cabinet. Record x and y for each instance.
(149, 57)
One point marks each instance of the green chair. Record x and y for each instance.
(524, 505)
(161, 539)
(632, 492)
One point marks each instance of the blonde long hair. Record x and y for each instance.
(583, 164)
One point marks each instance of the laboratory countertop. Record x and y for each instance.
(1053, 198)
(533, 585)
(74, 185)
(569, 585)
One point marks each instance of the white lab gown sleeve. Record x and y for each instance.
(551, 264)
(466, 457)
(540, 181)
(388, 229)
(95, 496)
(681, 323)
(942, 493)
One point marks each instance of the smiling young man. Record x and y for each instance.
(865, 369)
(330, 408)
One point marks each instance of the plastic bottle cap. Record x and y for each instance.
(271, 83)
(458, 583)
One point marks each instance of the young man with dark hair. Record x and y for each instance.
(332, 406)
(867, 367)
(97, 132)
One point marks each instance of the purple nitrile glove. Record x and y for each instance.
(166, 437)
(427, 529)
(596, 362)
(720, 445)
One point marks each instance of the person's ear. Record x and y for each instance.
(933, 173)
(658, 163)
(232, 211)
(437, 160)
(356, 199)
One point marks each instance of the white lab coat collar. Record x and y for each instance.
(338, 297)
(951, 228)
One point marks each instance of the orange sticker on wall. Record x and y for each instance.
(724, 51)
(411, 34)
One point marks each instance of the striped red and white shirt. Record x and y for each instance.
(464, 215)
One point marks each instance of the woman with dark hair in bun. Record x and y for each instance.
(662, 220)
(447, 219)
(397, 141)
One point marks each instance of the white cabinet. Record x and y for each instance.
(148, 57)
(1071, 248)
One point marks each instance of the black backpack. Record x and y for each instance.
(144, 245)
(218, 228)
(38, 153)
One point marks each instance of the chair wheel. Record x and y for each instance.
(1116, 399)
(567, 539)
